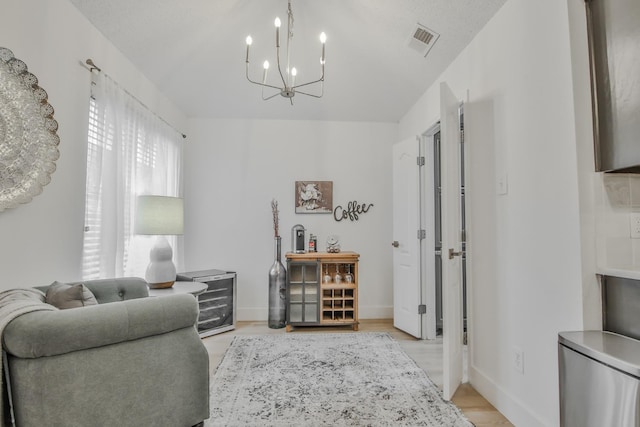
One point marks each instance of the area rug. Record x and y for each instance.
(318, 379)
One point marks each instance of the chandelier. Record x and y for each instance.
(289, 88)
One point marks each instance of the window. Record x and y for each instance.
(97, 141)
(130, 152)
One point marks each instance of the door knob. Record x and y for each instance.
(452, 253)
(395, 244)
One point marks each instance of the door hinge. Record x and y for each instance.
(422, 309)
(461, 136)
(420, 160)
(422, 234)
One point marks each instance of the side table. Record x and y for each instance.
(179, 287)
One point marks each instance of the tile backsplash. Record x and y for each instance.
(618, 196)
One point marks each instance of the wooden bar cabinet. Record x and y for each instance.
(322, 289)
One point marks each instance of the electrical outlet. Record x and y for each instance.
(518, 360)
(634, 222)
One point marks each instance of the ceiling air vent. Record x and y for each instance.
(422, 39)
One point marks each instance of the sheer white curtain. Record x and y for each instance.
(131, 151)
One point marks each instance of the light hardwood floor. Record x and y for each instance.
(426, 354)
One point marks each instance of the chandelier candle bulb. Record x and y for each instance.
(294, 72)
(249, 41)
(323, 40)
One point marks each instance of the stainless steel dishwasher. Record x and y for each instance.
(599, 371)
(599, 379)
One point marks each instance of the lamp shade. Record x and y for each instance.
(159, 215)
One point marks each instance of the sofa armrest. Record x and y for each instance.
(49, 333)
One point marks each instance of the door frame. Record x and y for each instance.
(427, 222)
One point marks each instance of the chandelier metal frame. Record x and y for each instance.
(289, 89)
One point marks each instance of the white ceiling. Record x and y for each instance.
(194, 51)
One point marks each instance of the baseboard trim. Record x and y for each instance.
(253, 314)
(512, 408)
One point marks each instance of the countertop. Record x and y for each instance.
(618, 351)
(627, 273)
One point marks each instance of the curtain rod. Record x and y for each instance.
(93, 66)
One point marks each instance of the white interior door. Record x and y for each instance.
(451, 243)
(406, 250)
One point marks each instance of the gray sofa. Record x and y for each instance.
(131, 360)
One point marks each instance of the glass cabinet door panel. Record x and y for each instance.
(311, 313)
(310, 292)
(295, 293)
(311, 273)
(295, 313)
(295, 273)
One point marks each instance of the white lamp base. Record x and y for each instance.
(161, 272)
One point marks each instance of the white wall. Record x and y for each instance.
(236, 167)
(525, 247)
(42, 240)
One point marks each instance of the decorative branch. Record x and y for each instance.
(276, 219)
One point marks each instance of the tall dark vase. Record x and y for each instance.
(277, 290)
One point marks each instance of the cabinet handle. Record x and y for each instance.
(395, 244)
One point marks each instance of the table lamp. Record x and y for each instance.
(160, 216)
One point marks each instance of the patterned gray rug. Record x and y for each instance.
(345, 379)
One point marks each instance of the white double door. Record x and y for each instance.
(414, 249)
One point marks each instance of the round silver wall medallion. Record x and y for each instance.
(28, 138)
